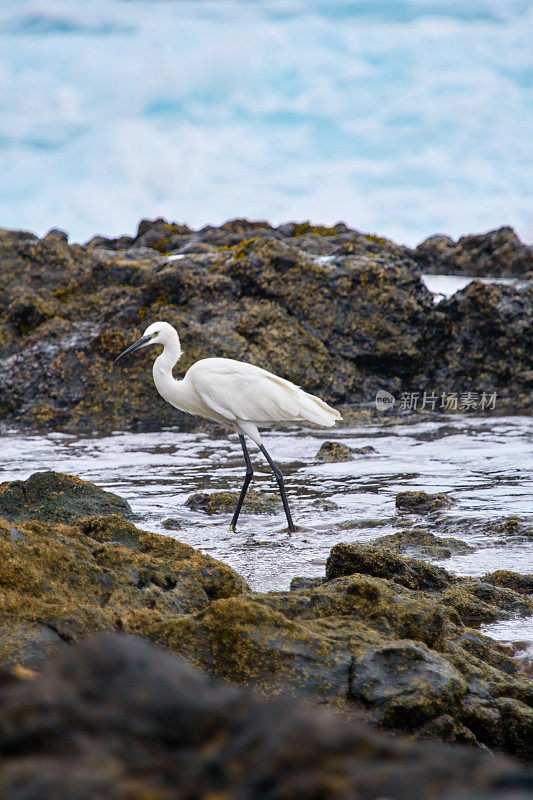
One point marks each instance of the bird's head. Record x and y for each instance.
(156, 333)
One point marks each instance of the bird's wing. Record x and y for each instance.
(242, 391)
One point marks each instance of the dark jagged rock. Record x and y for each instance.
(60, 584)
(173, 524)
(115, 718)
(420, 543)
(225, 502)
(57, 233)
(446, 729)
(341, 313)
(510, 527)
(375, 613)
(511, 580)
(325, 505)
(498, 253)
(435, 254)
(54, 497)
(477, 600)
(335, 451)
(401, 655)
(346, 559)
(499, 529)
(404, 680)
(301, 582)
(421, 502)
(493, 324)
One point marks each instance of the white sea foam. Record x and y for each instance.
(398, 116)
(483, 462)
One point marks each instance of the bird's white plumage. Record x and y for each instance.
(240, 391)
(232, 392)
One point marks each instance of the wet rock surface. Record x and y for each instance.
(365, 451)
(511, 580)
(400, 657)
(225, 502)
(55, 497)
(511, 528)
(345, 559)
(61, 583)
(500, 529)
(334, 452)
(421, 502)
(420, 543)
(115, 718)
(383, 636)
(339, 312)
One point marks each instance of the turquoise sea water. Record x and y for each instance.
(405, 117)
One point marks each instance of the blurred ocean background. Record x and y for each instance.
(403, 117)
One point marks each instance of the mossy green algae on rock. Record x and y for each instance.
(387, 635)
(55, 497)
(420, 543)
(72, 581)
(116, 718)
(225, 502)
(342, 314)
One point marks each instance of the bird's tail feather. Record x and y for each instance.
(315, 410)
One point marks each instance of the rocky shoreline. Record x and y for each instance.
(342, 313)
(115, 718)
(386, 638)
(371, 681)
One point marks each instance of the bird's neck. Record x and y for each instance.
(162, 369)
(170, 356)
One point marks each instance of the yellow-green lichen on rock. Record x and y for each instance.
(75, 580)
(386, 637)
(338, 312)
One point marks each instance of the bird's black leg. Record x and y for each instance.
(279, 477)
(247, 479)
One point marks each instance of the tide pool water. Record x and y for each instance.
(404, 117)
(484, 463)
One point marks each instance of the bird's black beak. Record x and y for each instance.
(134, 346)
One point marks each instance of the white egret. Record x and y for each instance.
(234, 394)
